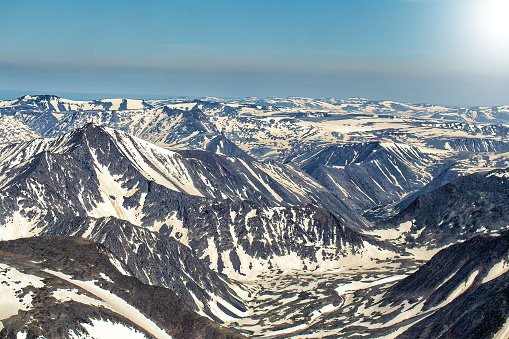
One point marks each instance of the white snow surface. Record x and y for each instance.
(503, 333)
(68, 295)
(165, 167)
(118, 265)
(12, 282)
(496, 271)
(18, 226)
(105, 329)
(498, 175)
(116, 304)
(460, 289)
(359, 285)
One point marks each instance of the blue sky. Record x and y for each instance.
(436, 51)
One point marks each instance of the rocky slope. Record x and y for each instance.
(460, 293)
(159, 260)
(467, 206)
(462, 290)
(240, 217)
(368, 175)
(68, 287)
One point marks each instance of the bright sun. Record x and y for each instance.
(493, 23)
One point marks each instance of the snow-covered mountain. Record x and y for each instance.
(264, 128)
(117, 161)
(276, 137)
(69, 287)
(166, 126)
(368, 175)
(283, 129)
(292, 105)
(242, 218)
(254, 210)
(469, 205)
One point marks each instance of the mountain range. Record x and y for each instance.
(275, 217)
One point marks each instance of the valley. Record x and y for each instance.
(306, 304)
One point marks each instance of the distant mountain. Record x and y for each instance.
(42, 112)
(234, 119)
(312, 106)
(69, 287)
(475, 145)
(169, 127)
(30, 104)
(368, 175)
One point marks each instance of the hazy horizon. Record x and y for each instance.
(12, 95)
(443, 52)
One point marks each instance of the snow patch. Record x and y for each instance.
(105, 277)
(392, 234)
(68, 295)
(12, 282)
(498, 175)
(496, 271)
(116, 304)
(360, 285)
(460, 289)
(18, 226)
(504, 331)
(105, 329)
(118, 265)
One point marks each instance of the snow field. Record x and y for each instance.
(12, 282)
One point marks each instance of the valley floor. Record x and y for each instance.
(313, 304)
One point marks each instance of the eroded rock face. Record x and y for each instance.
(459, 210)
(367, 175)
(71, 285)
(237, 216)
(155, 259)
(464, 289)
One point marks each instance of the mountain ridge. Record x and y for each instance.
(278, 216)
(75, 285)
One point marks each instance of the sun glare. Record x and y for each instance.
(493, 22)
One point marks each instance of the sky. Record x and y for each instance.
(444, 52)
